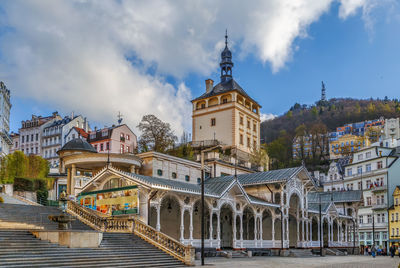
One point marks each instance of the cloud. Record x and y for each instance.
(101, 57)
(267, 117)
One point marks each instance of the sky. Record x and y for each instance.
(98, 58)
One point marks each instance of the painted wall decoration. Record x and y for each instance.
(115, 201)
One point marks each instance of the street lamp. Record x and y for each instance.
(202, 198)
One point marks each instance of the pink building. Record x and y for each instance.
(115, 139)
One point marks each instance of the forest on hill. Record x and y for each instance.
(321, 117)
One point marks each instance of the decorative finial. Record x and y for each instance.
(226, 37)
(119, 118)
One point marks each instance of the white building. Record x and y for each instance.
(369, 172)
(54, 133)
(30, 134)
(5, 106)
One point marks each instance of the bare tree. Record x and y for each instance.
(156, 135)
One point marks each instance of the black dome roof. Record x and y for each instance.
(226, 53)
(78, 145)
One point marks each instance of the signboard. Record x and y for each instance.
(115, 201)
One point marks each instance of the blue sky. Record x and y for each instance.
(356, 55)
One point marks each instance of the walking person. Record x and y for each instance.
(373, 251)
(392, 251)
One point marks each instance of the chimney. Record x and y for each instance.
(209, 85)
(72, 115)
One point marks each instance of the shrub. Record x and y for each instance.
(1, 200)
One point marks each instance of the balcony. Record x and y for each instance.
(379, 206)
(381, 188)
(204, 144)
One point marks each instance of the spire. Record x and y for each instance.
(226, 62)
(226, 38)
(323, 93)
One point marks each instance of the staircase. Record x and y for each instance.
(302, 253)
(18, 216)
(21, 249)
(334, 252)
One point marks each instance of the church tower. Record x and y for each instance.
(225, 112)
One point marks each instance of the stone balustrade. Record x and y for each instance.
(105, 223)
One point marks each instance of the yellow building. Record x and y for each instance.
(226, 113)
(394, 222)
(347, 145)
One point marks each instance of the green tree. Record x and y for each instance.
(156, 135)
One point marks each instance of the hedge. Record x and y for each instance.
(31, 185)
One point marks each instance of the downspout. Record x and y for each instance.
(272, 194)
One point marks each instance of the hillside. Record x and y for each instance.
(279, 132)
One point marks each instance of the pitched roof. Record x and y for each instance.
(224, 87)
(339, 196)
(261, 177)
(81, 132)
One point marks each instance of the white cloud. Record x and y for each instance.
(267, 117)
(94, 56)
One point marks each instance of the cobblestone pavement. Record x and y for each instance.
(289, 262)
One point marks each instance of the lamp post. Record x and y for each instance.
(202, 198)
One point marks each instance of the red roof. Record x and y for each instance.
(81, 132)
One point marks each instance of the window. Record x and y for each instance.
(93, 135)
(368, 167)
(203, 105)
(224, 100)
(95, 147)
(396, 201)
(104, 132)
(378, 217)
(37, 136)
(102, 147)
(248, 142)
(27, 138)
(121, 149)
(127, 137)
(254, 127)
(392, 216)
(383, 217)
(241, 120)
(359, 185)
(198, 180)
(159, 172)
(368, 201)
(122, 137)
(248, 123)
(73, 136)
(349, 172)
(384, 237)
(379, 165)
(108, 146)
(213, 122)
(359, 169)
(127, 149)
(397, 216)
(362, 236)
(377, 235)
(397, 231)
(174, 175)
(187, 178)
(31, 137)
(36, 150)
(241, 139)
(368, 184)
(392, 231)
(360, 157)
(360, 219)
(368, 155)
(23, 139)
(369, 236)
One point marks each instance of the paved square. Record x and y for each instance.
(288, 262)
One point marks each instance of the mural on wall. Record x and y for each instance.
(113, 201)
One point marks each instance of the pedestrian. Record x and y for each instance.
(369, 251)
(392, 250)
(373, 251)
(366, 251)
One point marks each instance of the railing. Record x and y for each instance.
(165, 243)
(128, 225)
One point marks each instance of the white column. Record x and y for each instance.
(211, 226)
(241, 230)
(273, 232)
(255, 230)
(158, 225)
(346, 232)
(218, 230)
(234, 230)
(182, 228)
(302, 225)
(191, 225)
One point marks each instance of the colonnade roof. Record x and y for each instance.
(336, 197)
(279, 175)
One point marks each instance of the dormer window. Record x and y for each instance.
(203, 105)
(224, 100)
